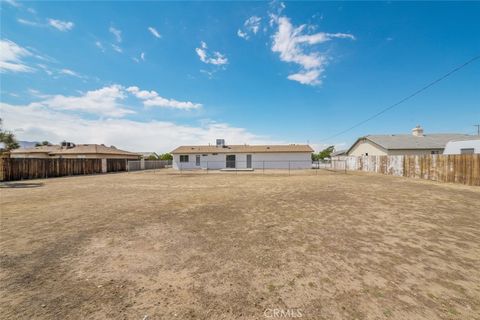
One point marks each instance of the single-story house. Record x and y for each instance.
(338, 153)
(75, 151)
(463, 147)
(246, 157)
(416, 143)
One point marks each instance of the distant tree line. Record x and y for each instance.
(43, 143)
(163, 156)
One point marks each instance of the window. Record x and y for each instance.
(214, 154)
(366, 153)
(467, 151)
(184, 158)
(197, 160)
(434, 152)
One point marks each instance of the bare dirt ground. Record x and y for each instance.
(239, 246)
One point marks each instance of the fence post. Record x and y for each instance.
(104, 165)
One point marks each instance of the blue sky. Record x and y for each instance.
(148, 76)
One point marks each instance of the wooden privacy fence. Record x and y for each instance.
(463, 168)
(12, 169)
(115, 165)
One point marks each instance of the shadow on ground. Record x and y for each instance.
(20, 185)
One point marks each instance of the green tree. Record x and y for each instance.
(166, 156)
(43, 143)
(151, 157)
(325, 153)
(8, 139)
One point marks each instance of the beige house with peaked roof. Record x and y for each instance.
(75, 151)
(245, 157)
(416, 143)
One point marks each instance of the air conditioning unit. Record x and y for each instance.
(221, 143)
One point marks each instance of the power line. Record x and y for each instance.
(431, 84)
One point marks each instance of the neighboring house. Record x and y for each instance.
(146, 155)
(463, 147)
(35, 152)
(338, 153)
(416, 143)
(71, 150)
(248, 157)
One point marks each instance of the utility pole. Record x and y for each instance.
(478, 129)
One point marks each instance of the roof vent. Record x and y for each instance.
(417, 131)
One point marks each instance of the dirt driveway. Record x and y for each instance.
(224, 246)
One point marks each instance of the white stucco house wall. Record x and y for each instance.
(416, 143)
(242, 157)
(463, 147)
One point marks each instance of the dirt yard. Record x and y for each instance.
(239, 246)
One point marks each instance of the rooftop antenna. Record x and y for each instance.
(478, 129)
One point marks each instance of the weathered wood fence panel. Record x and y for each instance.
(464, 169)
(115, 165)
(12, 169)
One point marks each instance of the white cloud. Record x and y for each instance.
(217, 58)
(153, 99)
(28, 22)
(242, 34)
(104, 102)
(13, 3)
(99, 45)
(37, 123)
(69, 72)
(61, 25)
(306, 77)
(155, 33)
(142, 56)
(45, 68)
(11, 55)
(295, 46)
(116, 48)
(117, 33)
(251, 25)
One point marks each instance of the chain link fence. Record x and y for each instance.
(260, 167)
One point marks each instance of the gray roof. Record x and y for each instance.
(409, 141)
(244, 148)
(339, 153)
(147, 154)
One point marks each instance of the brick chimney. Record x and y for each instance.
(417, 131)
